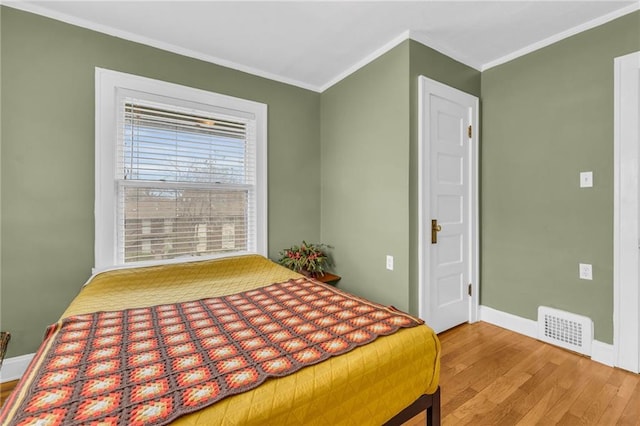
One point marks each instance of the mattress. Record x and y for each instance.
(367, 385)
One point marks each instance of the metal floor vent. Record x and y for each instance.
(564, 329)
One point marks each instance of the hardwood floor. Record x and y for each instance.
(492, 376)
(5, 390)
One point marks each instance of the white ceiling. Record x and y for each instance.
(314, 44)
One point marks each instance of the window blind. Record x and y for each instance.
(186, 182)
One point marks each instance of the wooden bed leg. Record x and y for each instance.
(428, 404)
(433, 412)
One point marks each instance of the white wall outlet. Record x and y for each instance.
(586, 179)
(390, 262)
(585, 271)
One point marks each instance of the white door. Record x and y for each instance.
(448, 205)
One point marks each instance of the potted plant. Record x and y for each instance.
(310, 259)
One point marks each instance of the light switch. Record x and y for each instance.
(586, 179)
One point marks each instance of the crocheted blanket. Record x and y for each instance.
(151, 365)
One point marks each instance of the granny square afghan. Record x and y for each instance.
(148, 366)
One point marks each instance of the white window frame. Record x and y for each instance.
(108, 85)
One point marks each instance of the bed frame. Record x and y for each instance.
(428, 403)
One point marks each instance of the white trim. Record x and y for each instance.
(423, 201)
(408, 34)
(425, 87)
(474, 162)
(601, 20)
(600, 352)
(107, 86)
(626, 209)
(13, 368)
(126, 35)
(432, 44)
(524, 326)
(366, 60)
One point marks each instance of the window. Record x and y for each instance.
(180, 172)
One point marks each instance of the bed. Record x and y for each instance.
(386, 381)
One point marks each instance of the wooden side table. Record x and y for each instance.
(4, 342)
(329, 278)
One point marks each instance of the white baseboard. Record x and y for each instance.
(13, 368)
(600, 352)
(509, 321)
(603, 353)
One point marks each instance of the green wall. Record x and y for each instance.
(365, 181)
(546, 117)
(342, 166)
(47, 166)
(370, 170)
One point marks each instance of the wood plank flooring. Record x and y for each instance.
(5, 390)
(491, 376)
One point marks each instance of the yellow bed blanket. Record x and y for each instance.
(367, 385)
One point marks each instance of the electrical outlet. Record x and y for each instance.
(390, 262)
(585, 271)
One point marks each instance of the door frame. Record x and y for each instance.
(426, 87)
(626, 233)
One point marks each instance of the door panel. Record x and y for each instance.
(449, 250)
(449, 289)
(449, 169)
(449, 209)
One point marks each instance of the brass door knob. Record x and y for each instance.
(435, 228)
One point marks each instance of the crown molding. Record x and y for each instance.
(563, 35)
(416, 36)
(366, 60)
(457, 56)
(126, 35)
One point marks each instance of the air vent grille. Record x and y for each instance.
(565, 329)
